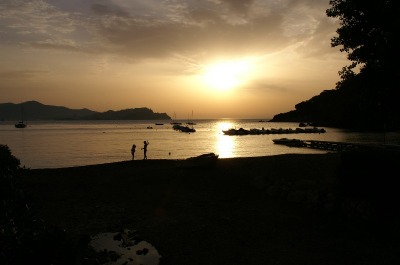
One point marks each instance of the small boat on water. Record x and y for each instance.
(174, 122)
(240, 131)
(182, 128)
(303, 124)
(191, 122)
(20, 124)
(290, 142)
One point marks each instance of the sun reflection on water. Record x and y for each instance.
(225, 145)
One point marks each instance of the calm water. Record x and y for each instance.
(65, 144)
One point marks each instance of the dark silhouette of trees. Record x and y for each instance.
(367, 96)
(369, 34)
(25, 238)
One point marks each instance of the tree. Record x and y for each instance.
(369, 34)
(25, 238)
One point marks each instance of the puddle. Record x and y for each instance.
(123, 248)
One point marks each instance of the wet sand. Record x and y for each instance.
(263, 210)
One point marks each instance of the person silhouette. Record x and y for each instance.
(133, 151)
(145, 144)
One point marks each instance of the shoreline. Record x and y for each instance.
(256, 210)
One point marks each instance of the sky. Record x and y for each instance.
(203, 58)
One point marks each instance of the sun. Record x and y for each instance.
(226, 75)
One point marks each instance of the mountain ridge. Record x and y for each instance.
(34, 110)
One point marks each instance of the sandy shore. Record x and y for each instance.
(264, 210)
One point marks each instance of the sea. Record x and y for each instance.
(59, 144)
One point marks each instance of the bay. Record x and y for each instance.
(55, 144)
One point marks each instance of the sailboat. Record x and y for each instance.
(21, 123)
(174, 122)
(190, 122)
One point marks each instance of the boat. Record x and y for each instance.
(231, 131)
(190, 122)
(174, 122)
(290, 142)
(303, 124)
(239, 131)
(21, 124)
(159, 123)
(188, 129)
(182, 128)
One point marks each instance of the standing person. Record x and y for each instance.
(133, 151)
(146, 143)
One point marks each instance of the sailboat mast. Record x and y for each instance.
(22, 112)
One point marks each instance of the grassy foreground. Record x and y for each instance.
(285, 209)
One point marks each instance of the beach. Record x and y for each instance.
(279, 209)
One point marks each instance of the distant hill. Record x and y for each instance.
(352, 108)
(129, 114)
(331, 108)
(33, 110)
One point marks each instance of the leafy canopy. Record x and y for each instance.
(368, 32)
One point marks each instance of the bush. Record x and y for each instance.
(25, 239)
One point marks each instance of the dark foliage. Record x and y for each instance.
(369, 34)
(25, 239)
(367, 100)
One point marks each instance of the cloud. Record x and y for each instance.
(201, 29)
(137, 30)
(33, 23)
(22, 74)
(265, 87)
(104, 10)
(60, 45)
(318, 45)
(239, 6)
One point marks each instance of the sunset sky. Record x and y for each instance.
(217, 58)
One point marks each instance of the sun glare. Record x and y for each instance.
(225, 145)
(226, 75)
